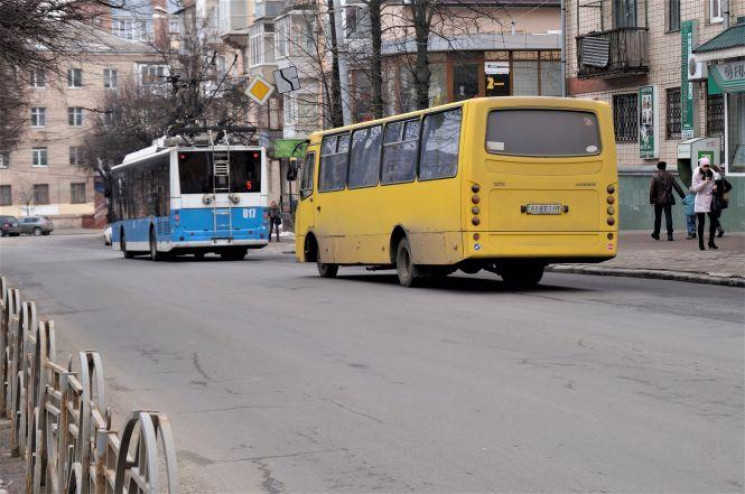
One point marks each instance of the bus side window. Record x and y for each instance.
(400, 152)
(440, 141)
(306, 182)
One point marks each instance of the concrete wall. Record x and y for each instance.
(636, 213)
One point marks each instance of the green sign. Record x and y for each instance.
(688, 32)
(729, 77)
(648, 118)
(288, 148)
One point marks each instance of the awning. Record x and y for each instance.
(730, 43)
(727, 77)
(288, 148)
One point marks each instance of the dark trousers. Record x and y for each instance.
(712, 226)
(273, 227)
(658, 209)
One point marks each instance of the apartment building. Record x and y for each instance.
(45, 173)
(673, 70)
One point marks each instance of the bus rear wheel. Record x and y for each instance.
(154, 254)
(327, 270)
(408, 272)
(123, 247)
(522, 275)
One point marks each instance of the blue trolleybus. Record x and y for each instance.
(171, 200)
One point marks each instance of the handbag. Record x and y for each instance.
(719, 203)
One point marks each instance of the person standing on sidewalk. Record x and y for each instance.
(719, 200)
(703, 186)
(689, 203)
(661, 197)
(274, 220)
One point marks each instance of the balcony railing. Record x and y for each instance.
(618, 52)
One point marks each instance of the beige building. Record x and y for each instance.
(637, 55)
(44, 174)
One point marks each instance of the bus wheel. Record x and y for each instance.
(123, 247)
(406, 270)
(522, 275)
(327, 270)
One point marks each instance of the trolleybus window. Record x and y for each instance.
(400, 150)
(546, 133)
(364, 164)
(440, 141)
(195, 171)
(306, 183)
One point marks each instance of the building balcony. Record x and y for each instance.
(268, 9)
(615, 53)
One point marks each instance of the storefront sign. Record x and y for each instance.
(648, 119)
(497, 78)
(729, 77)
(689, 34)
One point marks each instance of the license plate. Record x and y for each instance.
(543, 209)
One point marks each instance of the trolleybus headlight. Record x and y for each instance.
(611, 210)
(234, 198)
(611, 189)
(475, 221)
(475, 188)
(611, 200)
(475, 210)
(611, 221)
(475, 199)
(207, 199)
(476, 236)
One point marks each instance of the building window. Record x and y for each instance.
(290, 110)
(75, 116)
(4, 159)
(174, 26)
(673, 15)
(715, 11)
(110, 78)
(39, 157)
(76, 155)
(37, 78)
(41, 194)
(624, 13)
(38, 117)
(153, 75)
(6, 197)
(673, 113)
(261, 44)
(130, 29)
(74, 78)
(77, 193)
(625, 117)
(715, 115)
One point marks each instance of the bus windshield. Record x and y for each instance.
(544, 133)
(196, 171)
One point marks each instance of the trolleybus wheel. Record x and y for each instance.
(522, 275)
(123, 247)
(408, 273)
(327, 270)
(154, 254)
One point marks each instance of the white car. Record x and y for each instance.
(107, 235)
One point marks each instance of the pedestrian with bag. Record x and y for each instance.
(720, 198)
(274, 220)
(661, 197)
(689, 204)
(703, 186)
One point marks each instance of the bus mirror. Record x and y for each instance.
(292, 170)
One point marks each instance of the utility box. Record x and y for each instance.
(692, 150)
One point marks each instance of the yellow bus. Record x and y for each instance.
(506, 184)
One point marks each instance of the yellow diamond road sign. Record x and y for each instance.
(259, 90)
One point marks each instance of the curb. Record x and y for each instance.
(653, 274)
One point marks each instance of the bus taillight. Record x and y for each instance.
(176, 217)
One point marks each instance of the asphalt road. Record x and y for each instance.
(278, 381)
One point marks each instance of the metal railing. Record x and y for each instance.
(628, 52)
(60, 423)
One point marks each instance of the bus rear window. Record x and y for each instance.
(544, 133)
(195, 172)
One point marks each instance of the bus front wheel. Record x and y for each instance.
(522, 275)
(407, 271)
(327, 270)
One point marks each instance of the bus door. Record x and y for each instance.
(305, 215)
(542, 170)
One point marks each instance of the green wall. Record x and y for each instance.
(637, 214)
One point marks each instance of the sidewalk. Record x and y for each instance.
(640, 256)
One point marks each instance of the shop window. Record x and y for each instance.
(625, 117)
(465, 81)
(673, 113)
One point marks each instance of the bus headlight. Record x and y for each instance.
(234, 198)
(207, 199)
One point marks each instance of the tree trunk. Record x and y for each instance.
(337, 117)
(376, 75)
(420, 16)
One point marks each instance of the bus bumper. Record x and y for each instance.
(556, 246)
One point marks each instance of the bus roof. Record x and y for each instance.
(156, 149)
(506, 101)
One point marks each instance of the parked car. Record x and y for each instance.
(107, 235)
(9, 226)
(36, 225)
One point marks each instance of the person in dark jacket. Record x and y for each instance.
(661, 197)
(719, 200)
(275, 220)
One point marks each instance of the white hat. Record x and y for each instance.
(703, 161)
